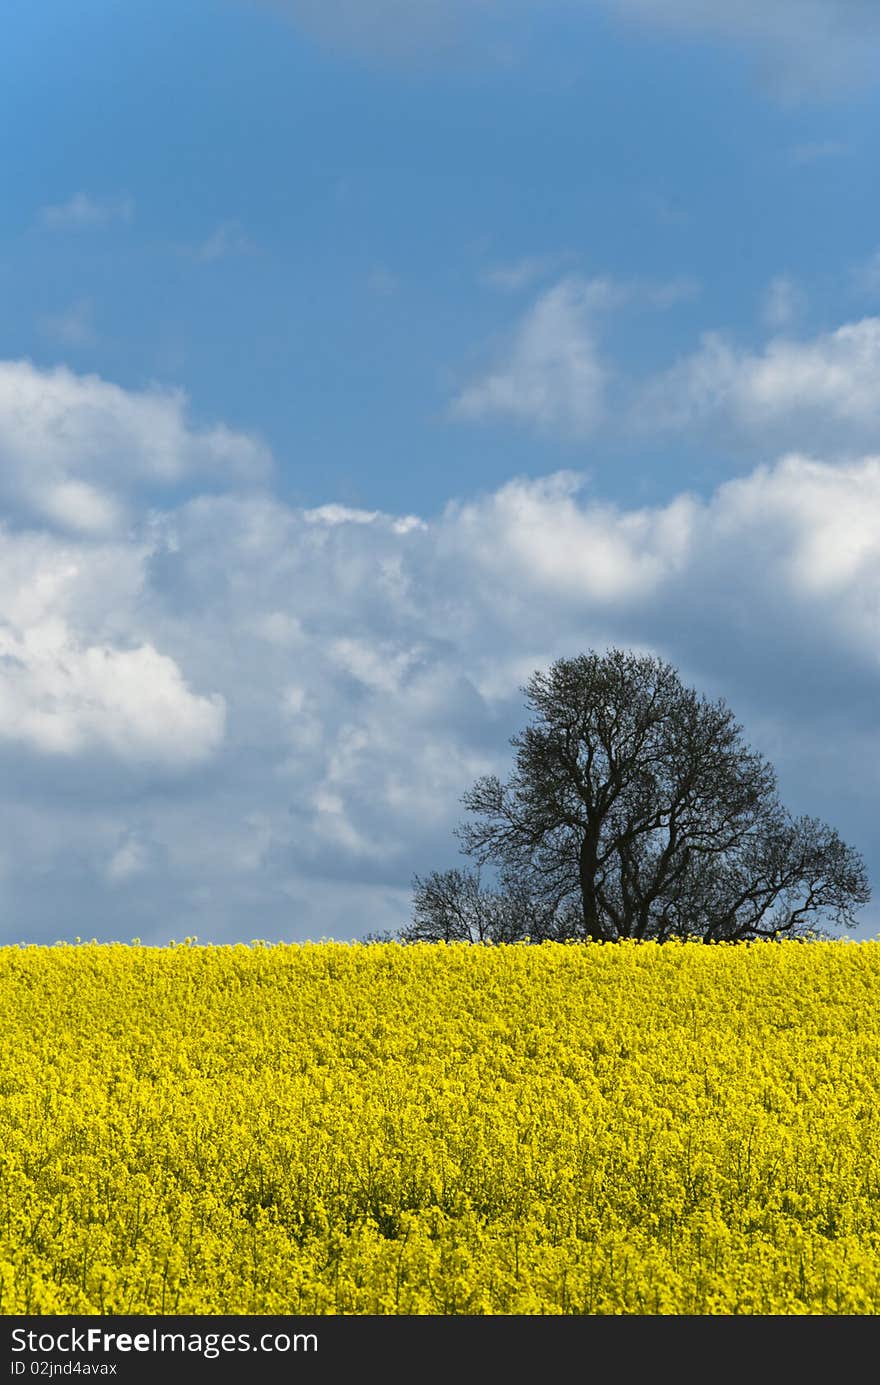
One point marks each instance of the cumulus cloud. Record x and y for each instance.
(822, 390)
(61, 696)
(74, 447)
(866, 276)
(236, 710)
(827, 518)
(84, 213)
(345, 514)
(550, 376)
(597, 553)
(227, 239)
(803, 47)
(74, 326)
(390, 29)
(783, 302)
(813, 150)
(131, 857)
(524, 272)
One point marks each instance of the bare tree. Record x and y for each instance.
(635, 810)
(454, 906)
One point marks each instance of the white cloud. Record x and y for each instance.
(823, 519)
(77, 675)
(783, 302)
(339, 514)
(814, 150)
(383, 28)
(279, 628)
(823, 390)
(77, 506)
(225, 240)
(236, 710)
(866, 276)
(304, 730)
(84, 213)
(74, 326)
(550, 376)
(596, 552)
(666, 295)
(332, 515)
(130, 858)
(62, 698)
(804, 47)
(382, 668)
(523, 273)
(603, 293)
(74, 447)
(382, 282)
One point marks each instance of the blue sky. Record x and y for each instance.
(357, 359)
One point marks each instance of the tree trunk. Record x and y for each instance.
(588, 866)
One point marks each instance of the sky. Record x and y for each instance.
(359, 358)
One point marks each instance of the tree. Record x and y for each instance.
(635, 810)
(454, 906)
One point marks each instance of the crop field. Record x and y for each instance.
(342, 1128)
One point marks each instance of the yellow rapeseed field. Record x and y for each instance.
(383, 1129)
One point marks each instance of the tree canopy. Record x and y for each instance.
(636, 810)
